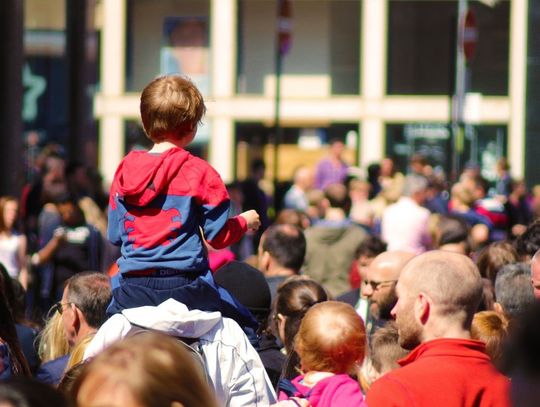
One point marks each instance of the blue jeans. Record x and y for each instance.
(195, 290)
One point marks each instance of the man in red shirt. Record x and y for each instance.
(438, 294)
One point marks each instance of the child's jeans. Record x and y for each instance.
(195, 290)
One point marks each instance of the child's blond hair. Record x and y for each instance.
(331, 338)
(171, 107)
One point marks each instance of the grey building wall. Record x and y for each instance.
(532, 125)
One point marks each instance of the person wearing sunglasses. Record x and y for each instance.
(82, 310)
(380, 286)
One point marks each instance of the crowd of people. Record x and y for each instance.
(393, 289)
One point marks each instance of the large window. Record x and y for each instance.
(482, 145)
(421, 47)
(45, 70)
(49, 65)
(167, 36)
(324, 58)
(298, 146)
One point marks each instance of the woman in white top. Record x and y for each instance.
(12, 243)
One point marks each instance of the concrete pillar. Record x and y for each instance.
(532, 129)
(517, 76)
(373, 78)
(223, 21)
(113, 70)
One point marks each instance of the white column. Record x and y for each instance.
(373, 78)
(517, 77)
(111, 146)
(372, 141)
(223, 73)
(112, 70)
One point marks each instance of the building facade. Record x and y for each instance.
(378, 73)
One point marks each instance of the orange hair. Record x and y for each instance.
(491, 328)
(331, 338)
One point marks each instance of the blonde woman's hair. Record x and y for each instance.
(77, 353)
(154, 369)
(52, 342)
(463, 194)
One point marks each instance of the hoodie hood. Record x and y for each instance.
(141, 176)
(170, 317)
(173, 318)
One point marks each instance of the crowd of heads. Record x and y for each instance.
(353, 276)
(478, 276)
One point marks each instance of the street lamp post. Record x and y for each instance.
(458, 98)
(283, 44)
(465, 45)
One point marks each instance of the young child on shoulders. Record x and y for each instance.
(331, 343)
(165, 204)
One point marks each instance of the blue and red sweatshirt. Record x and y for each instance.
(158, 206)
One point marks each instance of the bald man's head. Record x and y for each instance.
(390, 264)
(451, 280)
(382, 275)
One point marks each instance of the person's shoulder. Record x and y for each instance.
(424, 211)
(357, 230)
(350, 297)
(387, 390)
(394, 207)
(54, 364)
(51, 371)
(325, 161)
(194, 160)
(133, 155)
(225, 330)
(197, 165)
(343, 388)
(227, 340)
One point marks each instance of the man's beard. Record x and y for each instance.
(409, 329)
(385, 306)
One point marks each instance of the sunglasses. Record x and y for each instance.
(59, 307)
(375, 284)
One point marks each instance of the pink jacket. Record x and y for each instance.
(335, 391)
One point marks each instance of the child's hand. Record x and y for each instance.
(252, 219)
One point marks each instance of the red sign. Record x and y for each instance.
(284, 26)
(469, 35)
